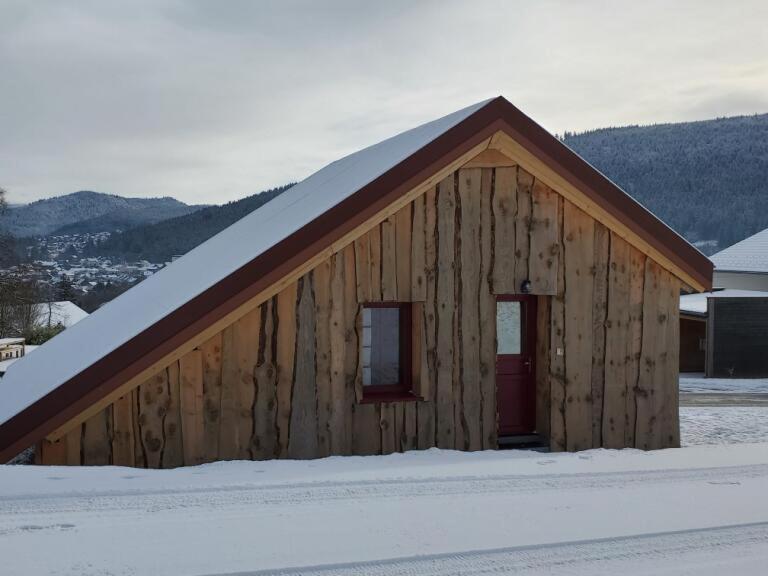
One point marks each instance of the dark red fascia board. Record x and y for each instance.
(104, 376)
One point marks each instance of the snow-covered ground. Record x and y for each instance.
(699, 510)
(723, 425)
(723, 411)
(696, 383)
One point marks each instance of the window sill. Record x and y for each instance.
(373, 398)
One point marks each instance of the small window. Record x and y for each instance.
(386, 350)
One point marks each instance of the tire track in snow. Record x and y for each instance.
(582, 557)
(313, 492)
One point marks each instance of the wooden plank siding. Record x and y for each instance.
(285, 379)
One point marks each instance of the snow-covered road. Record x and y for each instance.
(512, 512)
(706, 552)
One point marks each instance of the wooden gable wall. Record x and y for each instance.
(283, 381)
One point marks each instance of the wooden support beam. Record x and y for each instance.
(490, 158)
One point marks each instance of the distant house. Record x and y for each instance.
(11, 348)
(46, 315)
(468, 283)
(744, 265)
(724, 333)
(8, 360)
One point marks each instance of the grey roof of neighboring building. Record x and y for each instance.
(749, 255)
(697, 303)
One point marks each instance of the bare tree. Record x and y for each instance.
(19, 291)
(20, 314)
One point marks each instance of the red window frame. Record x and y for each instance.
(403, 390)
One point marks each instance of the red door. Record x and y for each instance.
(515, 374)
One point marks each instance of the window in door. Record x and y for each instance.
(509, 327)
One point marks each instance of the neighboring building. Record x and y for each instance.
(6, 363)
(744, 265)
(11, 348)
(724, 334)
(466, 283)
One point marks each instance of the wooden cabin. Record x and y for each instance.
(463, 284)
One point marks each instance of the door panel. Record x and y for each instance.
(515, 380)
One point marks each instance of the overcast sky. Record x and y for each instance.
(213, 101)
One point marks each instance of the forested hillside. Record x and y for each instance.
(163, 240)
(707, 180)
(88, 212)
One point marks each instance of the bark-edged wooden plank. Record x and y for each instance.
(470, 182)
(97, 441)
(173, 451)
(418, 251)
(557, 387)
(579, 280)
(229, 441)
(389, 268)
(366, 438)
(617, 345)
(648, 424)
(267, 434)
(404, 252)
(285, 354)
(192, 407)
(636, 294)
(445, 324)
(211, 351)
(599, 313)
(523, 219)
(153, 403)
(321, 281)
(544, 246)
(122, 432)
(504, 206)
(246, 335)
(338, 353)
(389, 431)
(669, 378)
(486, 311)
(375, 262)
(543, 391)
(303, 439)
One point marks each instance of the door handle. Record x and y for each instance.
(527, 363)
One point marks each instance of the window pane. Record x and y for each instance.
(381, 346)
(508, 327)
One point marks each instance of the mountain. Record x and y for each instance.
(707, 179)
(88, 212)
(161, 241)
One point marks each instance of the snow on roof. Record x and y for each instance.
(749, 255)
(65, 313)
(11, 341)
(125, 317)
(697, 303)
